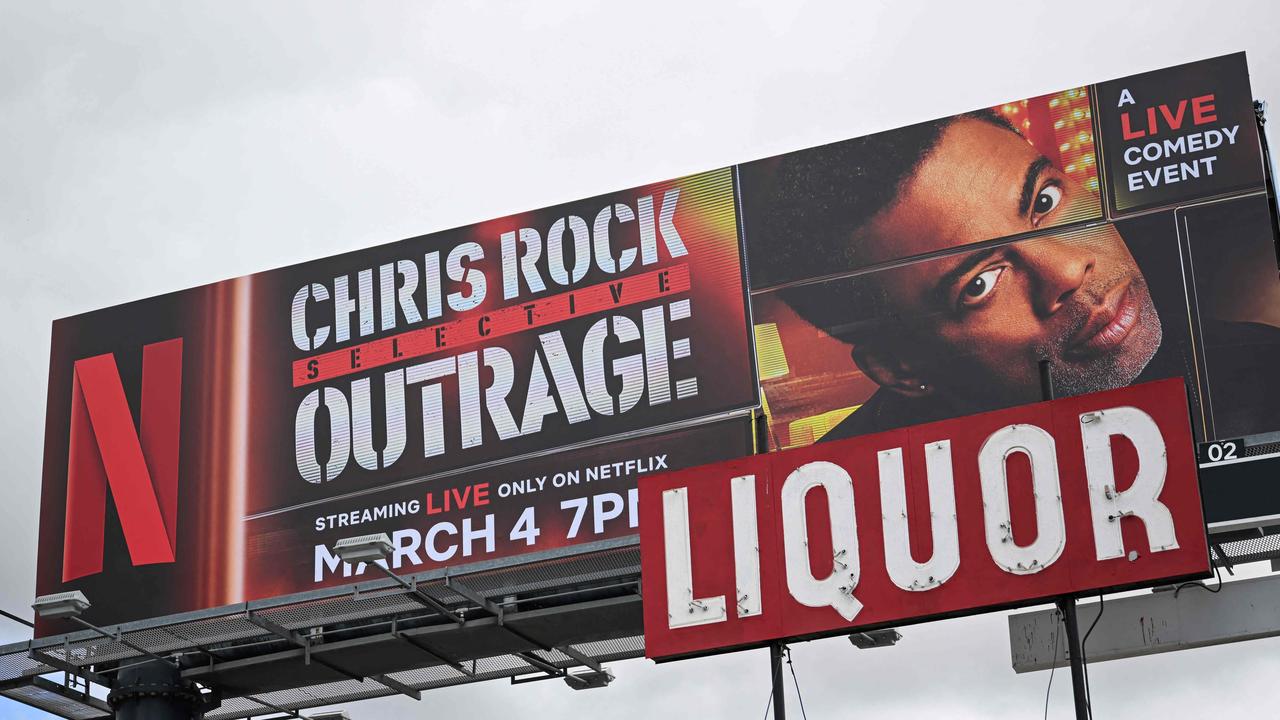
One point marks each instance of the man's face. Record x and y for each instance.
(978, 323)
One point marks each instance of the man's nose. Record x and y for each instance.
(1059, 268)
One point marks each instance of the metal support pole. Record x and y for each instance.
(1269, 167)
(760, 445)
(1046, 380)
(779, 695)
(154, 691)
(1067, 604)
(149, 690)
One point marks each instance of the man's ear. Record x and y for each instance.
(890, 371)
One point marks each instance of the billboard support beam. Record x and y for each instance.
(397, 686)
(118, 636)
(434, 655)
(779, 692)
(495, 610)
(421, 596)
(296, 638)
(483, 602)
(276, 708)
(589, 662)
(58, 663)
(1184, 617)
(276, 629)
(541, 664)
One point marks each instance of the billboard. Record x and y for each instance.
(208, 446)
(1121, 232)
(1004, 508)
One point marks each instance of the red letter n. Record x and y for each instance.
(140, 465)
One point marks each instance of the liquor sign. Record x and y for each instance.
(993, 510)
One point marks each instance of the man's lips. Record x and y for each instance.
(1109, 323)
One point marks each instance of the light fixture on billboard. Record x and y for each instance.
(60, 605)
(69, 606)
(364, 548)
(875, 638)
(372, 548)
(330, 715)
(589, 679)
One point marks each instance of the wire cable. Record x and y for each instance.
(1053, 666)
(1092, 625)
(797, 684)
(17, 619)
(1084, 658)
(1217, 571)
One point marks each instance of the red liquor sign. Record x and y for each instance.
(993, 510)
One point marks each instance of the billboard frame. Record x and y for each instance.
(381, 586)
(605, 602)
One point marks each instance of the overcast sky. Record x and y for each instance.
(150, 146)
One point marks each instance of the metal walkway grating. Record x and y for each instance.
(493, 668)
(329, 647)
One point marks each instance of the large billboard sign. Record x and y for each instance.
(993, 510)
(209, 446)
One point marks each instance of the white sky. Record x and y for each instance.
(151, 146)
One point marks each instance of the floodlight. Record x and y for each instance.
(60, 605)
(589, 679)
(375, 547)
(330, 715)
(875, 638)
(69, 605)
(364, 548)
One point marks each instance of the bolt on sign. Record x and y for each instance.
(1096, 492)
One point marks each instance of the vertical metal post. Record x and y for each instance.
(1268, 166)
(779, 693)
(1046, 380)
(760, 445)
(154, 690)
(759, 433)
(1067, 604)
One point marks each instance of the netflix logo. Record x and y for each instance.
(138, 463)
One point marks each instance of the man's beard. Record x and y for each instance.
(1107, 370)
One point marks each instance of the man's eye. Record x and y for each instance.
(977, 289)
(1049, 198)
